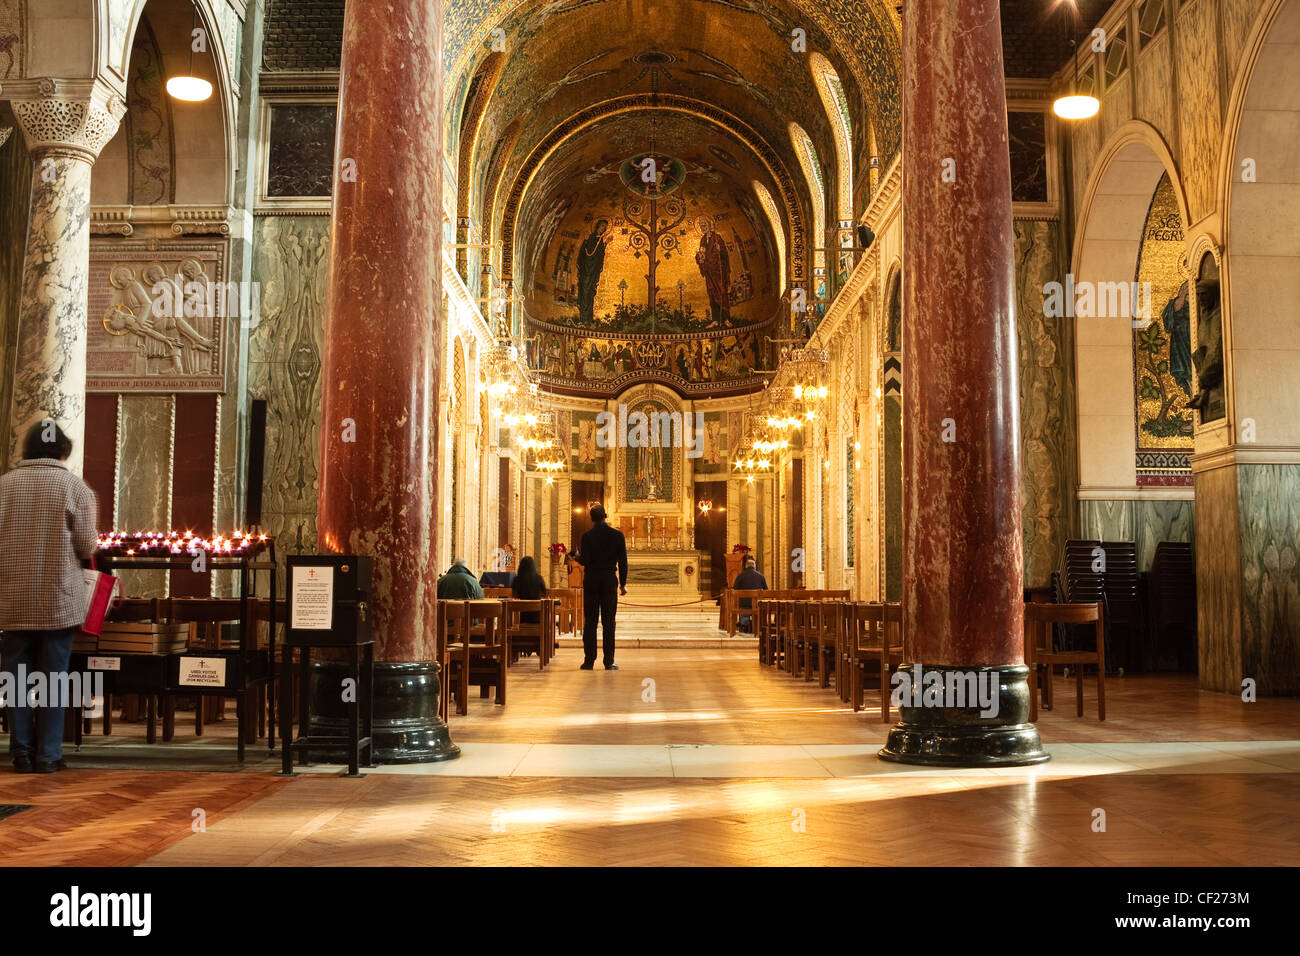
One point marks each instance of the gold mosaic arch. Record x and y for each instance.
(647, 101)
(847, 34)
(471, 123)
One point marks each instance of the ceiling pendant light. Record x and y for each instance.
(189, 87)
(1075, 105)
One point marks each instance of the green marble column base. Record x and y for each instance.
(952, 736)
(407, 728)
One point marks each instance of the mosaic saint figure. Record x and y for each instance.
(1177, 320)
(711, 257)
(591, 263)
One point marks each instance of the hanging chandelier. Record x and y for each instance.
(542, 442)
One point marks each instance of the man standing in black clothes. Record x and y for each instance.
(603, 556)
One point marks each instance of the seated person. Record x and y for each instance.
(528, 585)
(749, 579)
(459, 584)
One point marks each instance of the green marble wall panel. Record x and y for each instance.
(291, 262)
(1144, 522)
(15, 197)
(1218, 568)
(1047, 442)
(1268, 504)
(144, 480)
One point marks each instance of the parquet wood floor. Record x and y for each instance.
(419, 821)
(115, 818)
(1160, 810)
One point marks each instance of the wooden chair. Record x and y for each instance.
(483, 658)
(453, 628)
(827, 640)
(535, 636)
(497, 593)
(812, 636)
(798, 645)
(765, 627)
(875, 644)
(1041, 655)
(784, 609)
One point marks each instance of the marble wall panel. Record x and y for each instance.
(15, 196)
(1116, 105)
(144, 479)
(291, 262)
(1268, 500)
(1155, 92)
(1047, 442)
(1218, 569)
(1145, 522)
(1200, 120)
(1238, 16)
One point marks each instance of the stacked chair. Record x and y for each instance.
(1171, 592)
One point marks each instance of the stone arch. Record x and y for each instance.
(1107, 245)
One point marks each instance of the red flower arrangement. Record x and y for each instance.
(557, 549)
(741, 549)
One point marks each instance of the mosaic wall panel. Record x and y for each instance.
(713, 446)
(1047, 448)
(1162, 351)
(284, 368)
(1199, 109)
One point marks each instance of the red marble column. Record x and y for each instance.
(962, 560)
(383, 326)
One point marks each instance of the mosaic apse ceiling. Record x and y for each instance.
(648, 201)
(542, 167)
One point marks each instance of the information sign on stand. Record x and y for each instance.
(327, 607)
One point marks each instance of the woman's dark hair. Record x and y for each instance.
(528, 583)
(45, 439)
(528, 568)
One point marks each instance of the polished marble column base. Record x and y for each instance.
(407, 728)
(940, 735)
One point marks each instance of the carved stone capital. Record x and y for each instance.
(68, 118)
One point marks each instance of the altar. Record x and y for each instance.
(663, 576)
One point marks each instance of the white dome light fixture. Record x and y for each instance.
(1075, 105)
(189, 87)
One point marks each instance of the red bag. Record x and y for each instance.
(101, 590)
